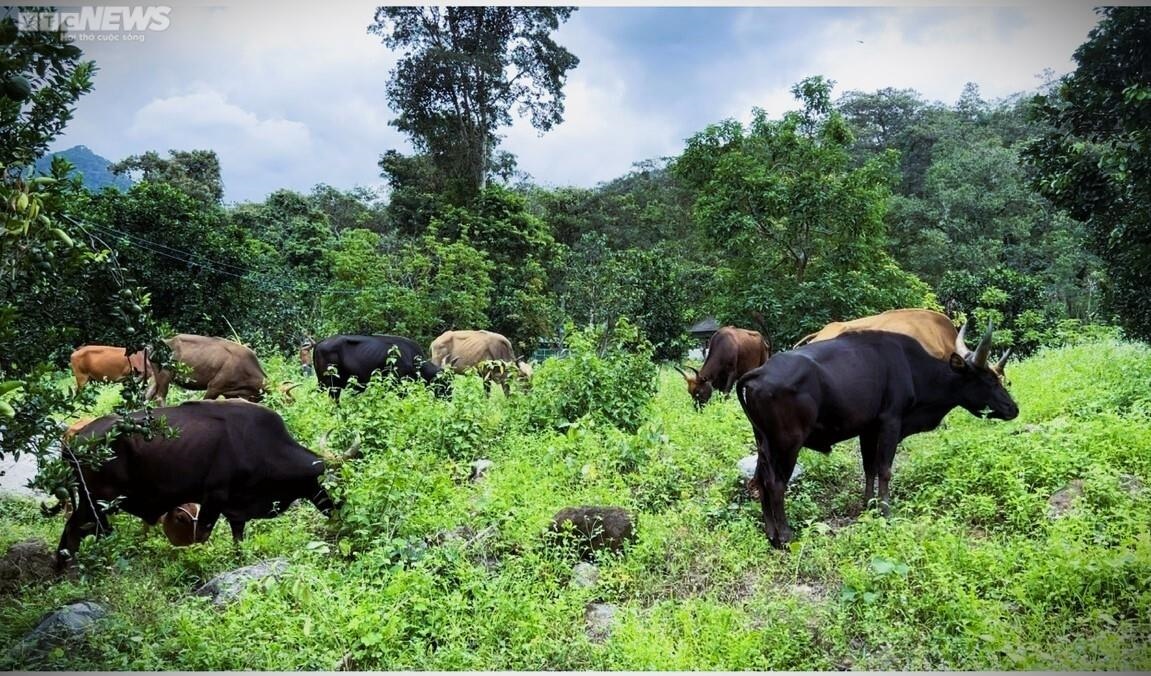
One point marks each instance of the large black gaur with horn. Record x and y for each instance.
(879, 386)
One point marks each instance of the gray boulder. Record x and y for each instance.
(599, 618)
(227, 587)
(585, 575)
(69, 622)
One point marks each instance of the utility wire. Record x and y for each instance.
(205, 263)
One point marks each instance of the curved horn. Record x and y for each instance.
(681, 371)
(984, 348)
(999, 365)
(961, 348)
(354, 451)
(695, 370)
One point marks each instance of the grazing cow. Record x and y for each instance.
(340, 358)
(489, 353)
(933, 330)
(105, 363)
(731, 352)
(877, 385)
(231, 458)
(219, 366)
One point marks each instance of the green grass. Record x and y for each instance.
(426, 570)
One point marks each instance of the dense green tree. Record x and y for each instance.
(522, 249)
(463, 70)
(413, 288)
(802, 229)
(196, 173)
(1095, 161)
(42, 75)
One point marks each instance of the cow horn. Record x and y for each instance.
(999, 365)
(681, 372)
(354, 449)
(961, 348)
(984, 348)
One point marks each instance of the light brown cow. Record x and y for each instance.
(933, 330)
(221, 367)
(106, 363)
(488, 352)
(731, 352)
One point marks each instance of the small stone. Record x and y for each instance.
(1131, 484)
(747, 464)
(25, 563)
(1061, 502)
(227, 587)
(585, 575)
(599, 618)
(479, 469)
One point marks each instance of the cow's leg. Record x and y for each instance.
(79, 525)
(867, 448)
(888, 440)
(237, 526)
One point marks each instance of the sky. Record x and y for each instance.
(291, 94)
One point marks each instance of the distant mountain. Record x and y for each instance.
(92, 168)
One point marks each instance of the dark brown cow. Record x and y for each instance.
(220, 367)
(232, 458)
(488, 352)
(731, 352)
(107, 363)
(880, 386)
(933, 330)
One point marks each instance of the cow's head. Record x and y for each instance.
(982, 392)
(699, 389)
(440, 380)
(182, 525)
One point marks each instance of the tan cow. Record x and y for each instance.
(106, 363)
(489, 353)
(933, 330)
(221, 367)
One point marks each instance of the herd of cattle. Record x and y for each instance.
(879, 378)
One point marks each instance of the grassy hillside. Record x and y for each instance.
(428, 570)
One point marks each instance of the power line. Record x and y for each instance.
(205, 263)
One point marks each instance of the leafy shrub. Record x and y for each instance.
(607, 375)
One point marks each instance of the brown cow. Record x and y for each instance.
(933, 330)
(106, 363)
(219, 366)
(731, 352)
(489, 353)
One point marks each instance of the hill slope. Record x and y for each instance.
(92, 168)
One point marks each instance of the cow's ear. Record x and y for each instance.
(958, 364)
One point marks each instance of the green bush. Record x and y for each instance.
(607, 375)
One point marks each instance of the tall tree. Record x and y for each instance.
(462, 71)
(196, 173)
(1096, 160)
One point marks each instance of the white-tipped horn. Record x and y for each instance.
(999, 365)
(961, 348)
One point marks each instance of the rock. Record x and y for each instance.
(479, 469)
(585, 575)
(1061, 502)
(59, 626)
(599, 618)
(227, 587)
(747, 463)
(1131, 485)
(592, 529)
(25, 563)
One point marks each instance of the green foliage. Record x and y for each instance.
(972, 571)
(416, 289)
(793, 218)
(463, 70)
(521, 249)
(41, 78)
(196, 173)
(1095, 158)
(606, 375)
